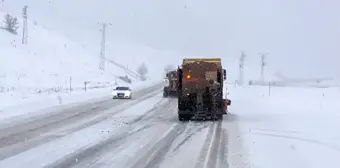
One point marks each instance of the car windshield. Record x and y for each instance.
(122, 88)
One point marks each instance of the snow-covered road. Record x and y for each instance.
(142, 132)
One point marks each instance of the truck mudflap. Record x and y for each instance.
(227, 103)
(169, 93)
(206, 115)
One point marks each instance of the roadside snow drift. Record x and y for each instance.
(288, 127)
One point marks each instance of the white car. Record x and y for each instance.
(122, 92)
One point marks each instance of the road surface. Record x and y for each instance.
(143, 132)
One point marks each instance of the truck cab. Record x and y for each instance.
(170, 88)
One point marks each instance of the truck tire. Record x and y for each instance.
(165, 94)
(219, 116)
(184, 117)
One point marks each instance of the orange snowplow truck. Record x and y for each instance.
(200, 89)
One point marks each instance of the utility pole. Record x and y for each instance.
(24, 27)
(102, 49)
(70, 84)
(2, 4)
(263, 64)
(241, 66)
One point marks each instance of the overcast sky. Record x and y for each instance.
(302, 37)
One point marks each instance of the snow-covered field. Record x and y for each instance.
(288, 127)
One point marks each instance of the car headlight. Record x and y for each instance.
(127, 93)
(114, 93)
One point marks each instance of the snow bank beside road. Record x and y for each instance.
(291, 127)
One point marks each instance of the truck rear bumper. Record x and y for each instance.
(201, 113)
(169, 93)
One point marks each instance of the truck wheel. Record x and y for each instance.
(219, 116)
(165, 94)
(184, 117)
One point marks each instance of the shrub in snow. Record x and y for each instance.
(125, 79)
(11, 23)
(142, 71)
(60, 101)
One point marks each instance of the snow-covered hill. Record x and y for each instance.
(80, 21)
(48, 60)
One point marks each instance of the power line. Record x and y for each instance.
(24, 27)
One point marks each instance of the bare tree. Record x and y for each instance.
(142, 70)
(11, 24)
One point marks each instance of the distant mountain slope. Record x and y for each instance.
(48, 60)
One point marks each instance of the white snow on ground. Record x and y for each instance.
(192, 141)
(35, 106)
(291, 127)
(85, 138)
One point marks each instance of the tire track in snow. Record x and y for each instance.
(73, 108)
(104, 158)
(154, 156)
(223, 150)
(15, 134)
(189, 136)
(215, 144)
(212, 147)
(205, 148)
(91, 151)
(302, 139)
(92, 154)
(114, 112)
(29, 137)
